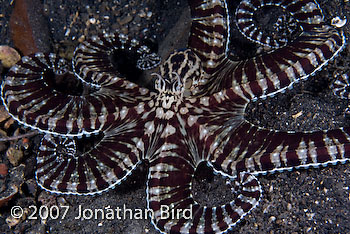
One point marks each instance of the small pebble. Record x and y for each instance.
(11, 221)
(3, 169)
(272, 219)
(92, 21)
(125, 20)
(142, 14)
(338, 22)
(8, 194)
(61, 201)
(8, 56)
(297, 115)
(14, 156)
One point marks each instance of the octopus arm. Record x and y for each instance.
(66, 166)
(252, 149)
(169, 195)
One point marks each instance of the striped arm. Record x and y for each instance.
(209, 32)
(341, 86)
(222, 109)
(169, 192)
(273, 72)
(259, 151)
(293, 59)
(105, 59)
(306, 13)
(37, 92)
(61, 168)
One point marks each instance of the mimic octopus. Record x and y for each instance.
(194, 113)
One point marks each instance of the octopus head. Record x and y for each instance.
(170, 91)
(179, 75)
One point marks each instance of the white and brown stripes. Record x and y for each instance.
(267, 74)
(183, 64)
(32, 95)
(258, 151)
(112, 156)
(41, 92)
(95, 60)
(341, 88)
(174, 132)
(209, 32)
(169, 187)
(306, 13)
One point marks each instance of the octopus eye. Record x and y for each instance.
(160, 83)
